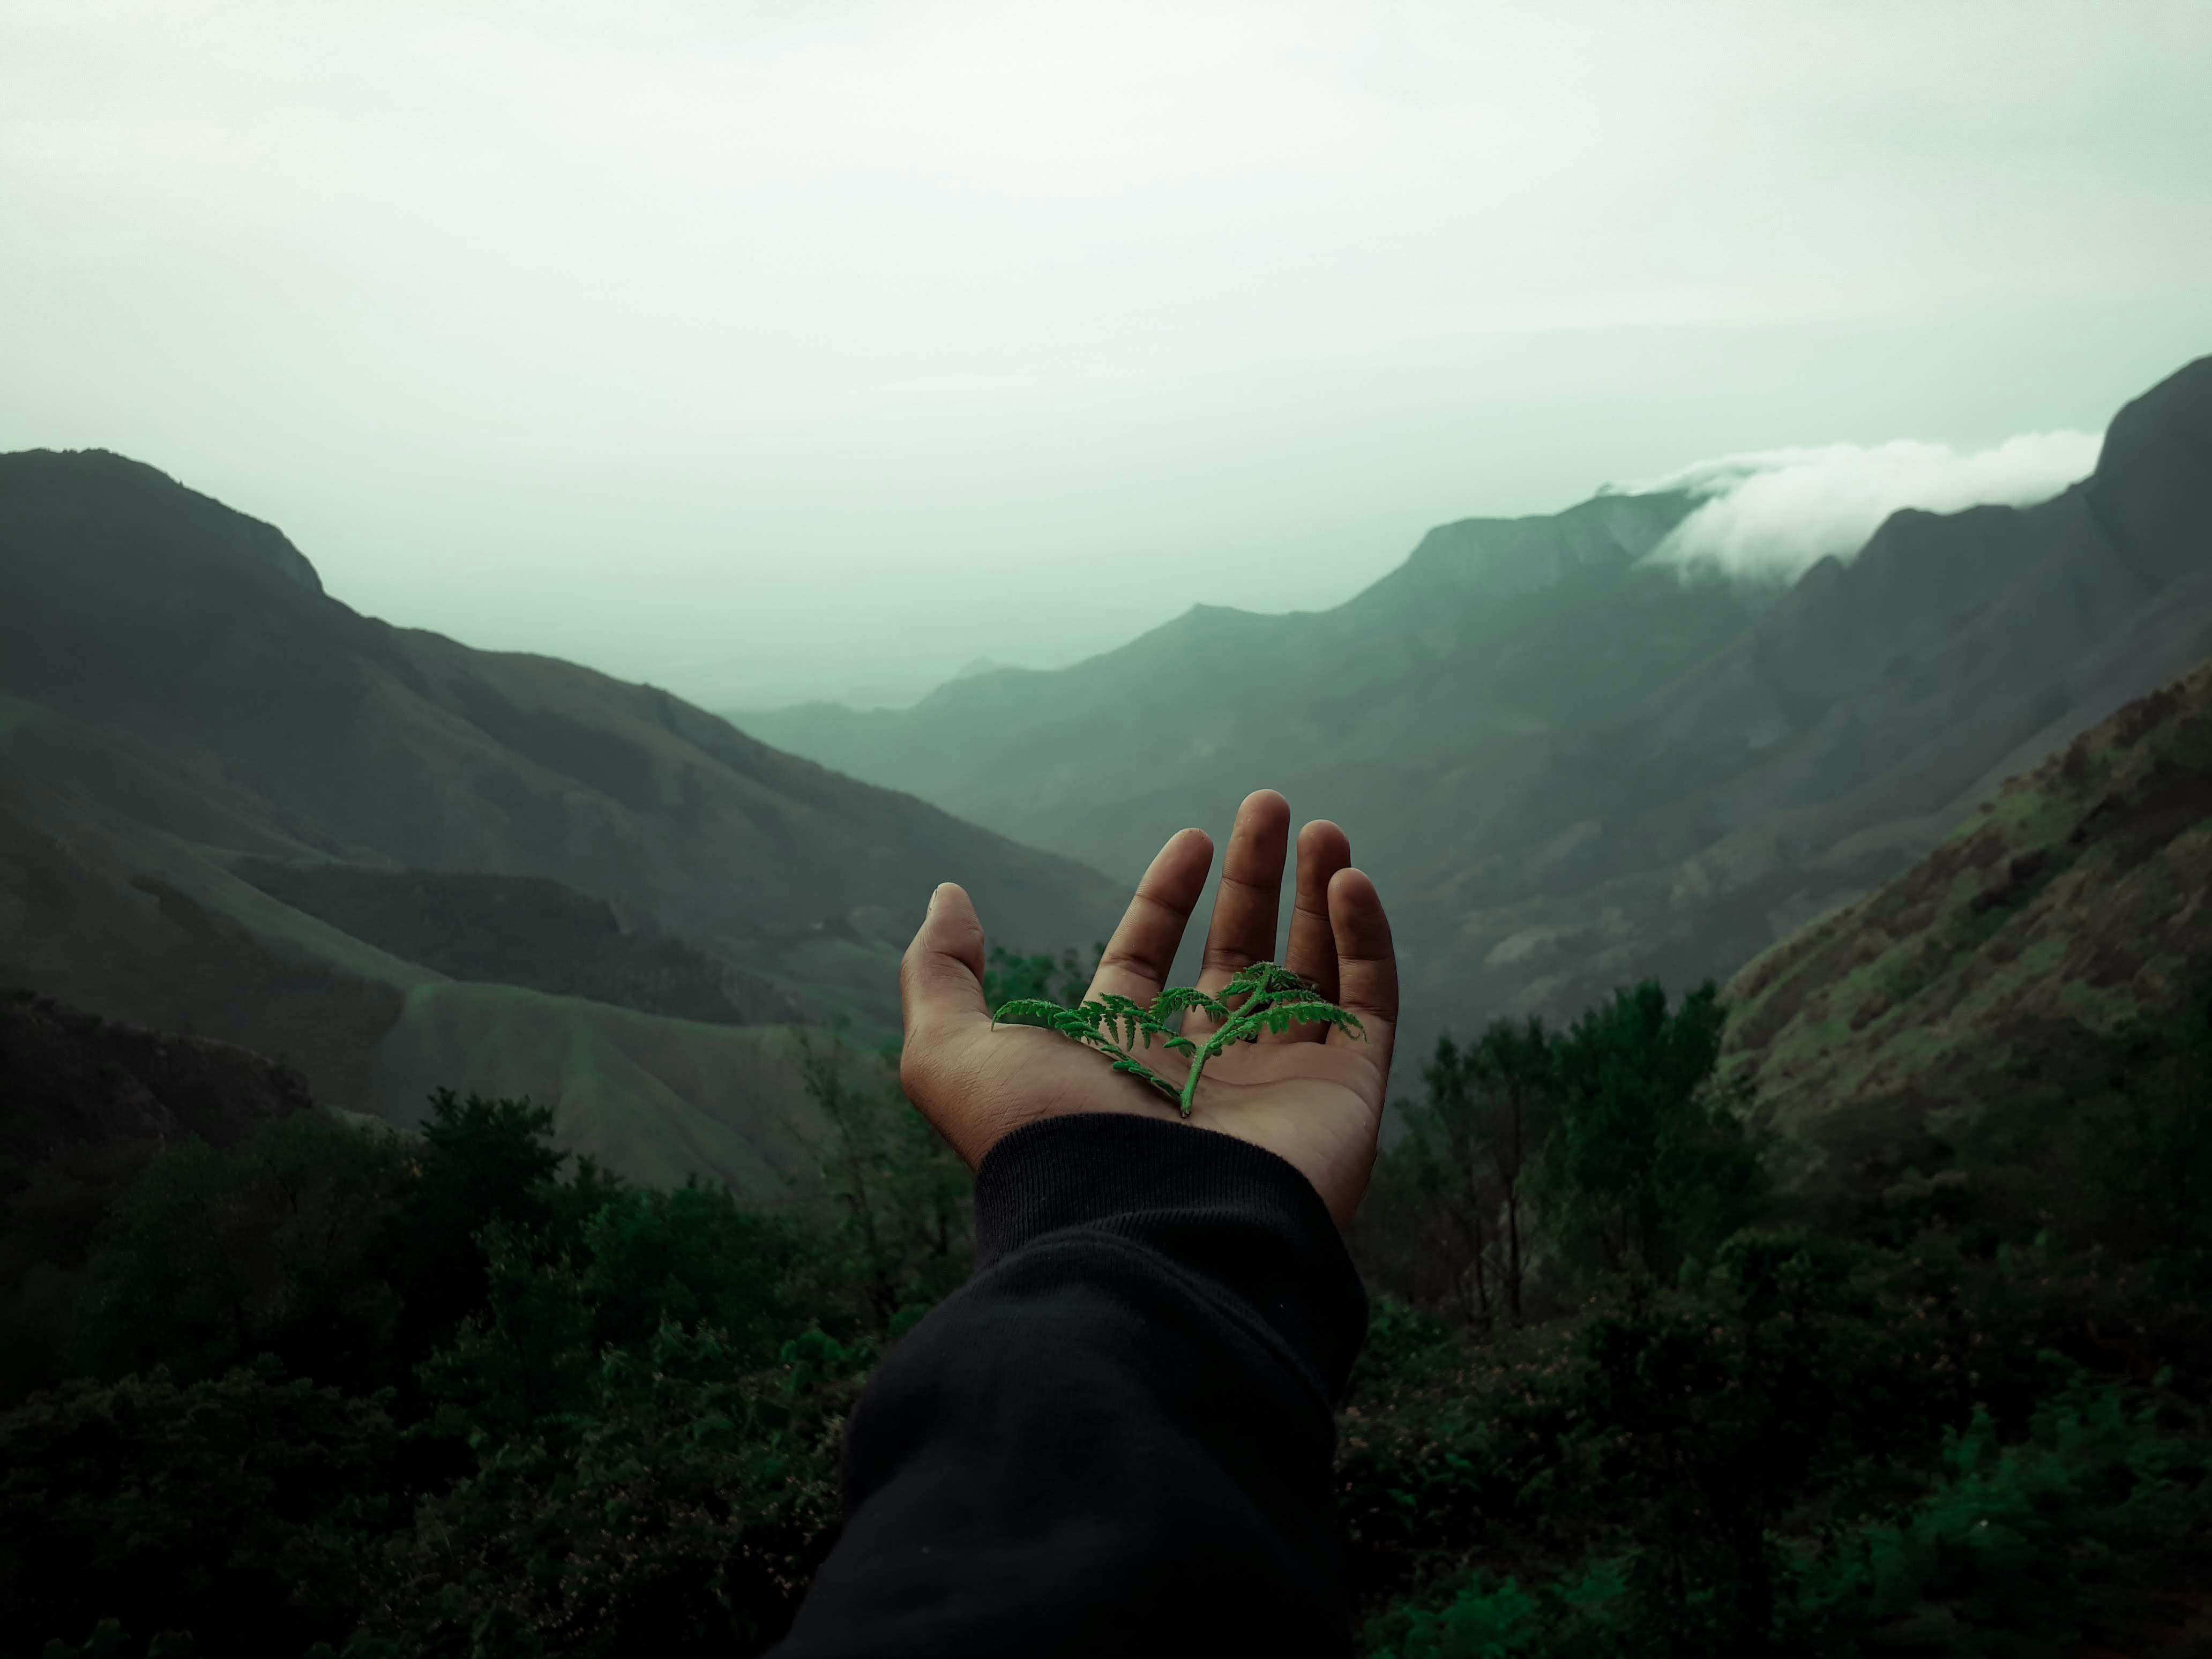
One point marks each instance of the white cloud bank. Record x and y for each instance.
(1774, 513)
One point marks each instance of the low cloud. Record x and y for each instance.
(1775, 513)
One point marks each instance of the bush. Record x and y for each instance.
(281, 1245)
(239, 1509)
(683, 1511)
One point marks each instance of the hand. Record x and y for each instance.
(1312, 1096)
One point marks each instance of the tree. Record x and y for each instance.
(278, 1246)
(237, 1510)
(1011, 977)
(511, 1370)
(2148, 1150)
(1448, 1168)
(682, 1511)
(482, 1161)
(903, 1197)
(1451, 1196)
(1649, 1162)
(1491, 1106)
(688, 1255)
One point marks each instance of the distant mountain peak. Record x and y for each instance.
(149, 515)
(1570, 766)
(1506, 557)
(241, 808)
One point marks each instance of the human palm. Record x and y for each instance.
(1311, 1094)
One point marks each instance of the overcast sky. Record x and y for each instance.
(778, 350)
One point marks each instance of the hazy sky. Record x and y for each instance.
(775, 350)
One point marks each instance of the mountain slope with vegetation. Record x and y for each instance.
(1569, 767)
(231, 806)
(2074, 904)
(1632, 1387)
(85, 1105)
(1856, 1308)
(1859, 1309)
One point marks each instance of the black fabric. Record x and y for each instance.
(1117, 1438)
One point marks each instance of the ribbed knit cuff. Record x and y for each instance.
(1217, 1206)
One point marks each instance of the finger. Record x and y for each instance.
(1136, 960)
(941, 975)
(1367, 964)
(1323, 849)
(1242, 931)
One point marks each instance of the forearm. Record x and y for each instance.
(1119, 1433)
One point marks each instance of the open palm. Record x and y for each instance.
(1310, 1095)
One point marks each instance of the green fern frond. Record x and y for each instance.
(1031, 1011)
(1181, 999)
(1265, 997)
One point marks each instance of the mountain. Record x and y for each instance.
(231, 806)
(1569, 767)
(77, 1081)
(2074, 902)
(87, 1104)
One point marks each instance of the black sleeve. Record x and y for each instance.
(1117, 1437)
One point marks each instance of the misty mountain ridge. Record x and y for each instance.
(1570, 759)
(1770, 515)
(1763, 516)
(232, 807)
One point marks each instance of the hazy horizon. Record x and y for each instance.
(784, 352)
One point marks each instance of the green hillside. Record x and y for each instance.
(1633, 1385)
(230, 806)
(2075, 902)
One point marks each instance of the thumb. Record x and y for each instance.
(941, 976)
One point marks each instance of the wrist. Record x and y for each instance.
(1217, 1206)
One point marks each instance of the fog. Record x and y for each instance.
(777, 351)
(1774, 514)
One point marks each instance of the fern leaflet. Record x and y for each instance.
(1266, 997)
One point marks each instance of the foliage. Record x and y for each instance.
(278, 1246)
(1976, 1425)
(2075, 1536)
(240, 1508)
(1487, 1619)
(2024, 1542)
(2147, 1148)
(1457, 1180)
(1010, 976)
(522, 1365)
(357, 1395)
(691, 1256)
(1541, 1162)
(1671, 1431)
(905, 1229)
(484, 1161)
(682, 1513)
(1262, 998)
(1649, 1162)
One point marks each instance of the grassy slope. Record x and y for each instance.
(141, 608)
(655, 1099)
(2076, 897)
(185, 708)
(144, 926)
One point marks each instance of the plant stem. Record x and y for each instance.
(1233, 1030)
